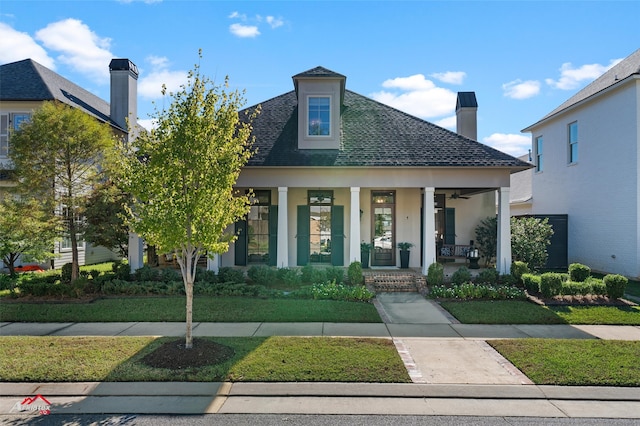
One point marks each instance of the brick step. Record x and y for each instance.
(390, 282)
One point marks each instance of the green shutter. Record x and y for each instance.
(337, 235)
(273, 235)
(450, 226)
(303, 235)
(241, 243)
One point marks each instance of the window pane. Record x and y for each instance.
(539, 142)
(320, 234)
(258, 234)
(319, 116)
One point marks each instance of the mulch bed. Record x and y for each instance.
(173, 355)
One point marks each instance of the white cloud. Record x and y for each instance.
(16, 46)
(150, 85)
(79, 47)
(571, 78)
(451, 77)
(244, 31)
(237, 15)
(512, 144)
(417, 96)
(274, 22)
(518, 89)
(447, 122)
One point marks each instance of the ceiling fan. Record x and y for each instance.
(455, 196)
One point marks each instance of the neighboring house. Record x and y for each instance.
(25, 85)
(334, 169)
(521, 192)
(586, 154)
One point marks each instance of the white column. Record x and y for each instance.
(136, 254)
(503, 257)
(282, 260)
(213, 263)
(354, 240)
(429, 236)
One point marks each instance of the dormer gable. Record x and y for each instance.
(320, 94)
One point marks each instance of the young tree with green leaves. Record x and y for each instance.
(106, 218)
(58, 157)
(530, 237)
(181, 176)
(27, 231)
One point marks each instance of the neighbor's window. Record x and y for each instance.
(573, 142)
(65, 243)
(538, 147)
(8, 123)
(319, 116)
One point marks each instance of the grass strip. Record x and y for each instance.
(501, 312)
(574, 362)
(608, 315)
(205, 309)
(77, 359)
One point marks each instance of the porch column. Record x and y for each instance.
(503, 257)
(354, 240)
(136, 256)
(429, 237)
(213, 263)
(282, 259)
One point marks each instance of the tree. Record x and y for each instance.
(487, 238)
(26, 230)
(181, 176)
(105, 218)
(58, 158)
(530, 238)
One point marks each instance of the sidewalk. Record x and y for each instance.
(454, 370)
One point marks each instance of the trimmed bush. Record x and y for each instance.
(616, 285)
(550, 284)
(333, 291)
(579, 272)
(354, 273)
(576, 288)
(531, 282)
(435, 274)
(472, 291)
(519, 268)
(290, 276)
(334, 273)
(65, 273)
(597, 286)
(488, 276)
(206, 276)
(461, 276)
(230, 275)
(147, 273)
(262, 275)
(121, 270)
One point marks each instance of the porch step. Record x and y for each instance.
(394, 281)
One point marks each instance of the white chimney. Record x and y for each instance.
(124, 94)
(466, 115)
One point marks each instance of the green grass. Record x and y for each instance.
(501, 312)
(78, 359)
(102, 267)
(205, 309)
(574, 362)
(633, 288)
(523, 312)
(609, 315)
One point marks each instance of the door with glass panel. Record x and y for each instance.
(383, 228)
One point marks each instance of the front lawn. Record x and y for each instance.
(574, 362)
(279, 359)
(205, 309)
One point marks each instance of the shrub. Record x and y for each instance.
(550, 284)
(65, 273)
(435, 274)
(579, 272)
(290, 277)
(518, 268)
(147, 273)
(616, 285)
(333, 291)
(122, 270)
(508, 279)
(472, 291)
(488, 276)
(206, 276)
(170, 275)
(531, 282)
(461, 276)
(94, 273)
(7, 282)
(262, 275)
(311, 275)
(334, 273)
(576, 288)
(354, 273)
(597, 286)
(530, 238)
(230, 275)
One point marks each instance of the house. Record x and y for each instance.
(25, 85)
(586, 154)
(334, 169)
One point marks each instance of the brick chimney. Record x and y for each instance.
(124, 94)
(466, 115)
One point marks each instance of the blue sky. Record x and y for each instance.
(521, 58)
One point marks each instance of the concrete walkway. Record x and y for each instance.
(454, 370)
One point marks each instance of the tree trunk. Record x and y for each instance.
(188, 344)
(75, 264)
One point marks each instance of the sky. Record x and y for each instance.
(522, 59)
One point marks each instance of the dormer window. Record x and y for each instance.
(319, 117)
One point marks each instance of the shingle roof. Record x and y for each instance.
(615, 75)
(27, 80)
(372, 135)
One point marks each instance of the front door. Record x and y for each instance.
(383, 232)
